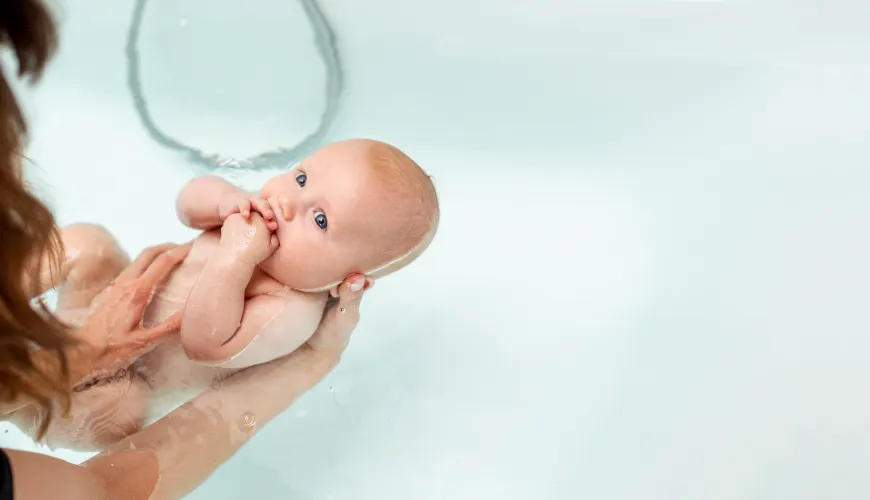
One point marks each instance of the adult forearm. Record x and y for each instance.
(175, 454)
(195, 439)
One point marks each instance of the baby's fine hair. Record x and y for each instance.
(414, 190)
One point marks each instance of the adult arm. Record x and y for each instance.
(170, 458)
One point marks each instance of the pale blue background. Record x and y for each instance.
(650, 281)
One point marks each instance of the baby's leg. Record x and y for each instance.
(113, 408)
(100, 415)
(92, 259)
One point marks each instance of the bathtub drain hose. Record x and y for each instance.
(324, 38)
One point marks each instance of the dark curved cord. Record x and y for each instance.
(324, 39)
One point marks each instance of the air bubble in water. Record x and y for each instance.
(247, 422)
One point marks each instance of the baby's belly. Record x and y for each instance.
(173, 378)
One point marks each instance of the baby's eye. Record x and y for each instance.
(320, 219)
(301, 179)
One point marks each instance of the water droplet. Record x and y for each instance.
(247, 422)
(216, 384)
(182, 22)
(331, 389)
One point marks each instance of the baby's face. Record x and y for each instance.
(331, 210)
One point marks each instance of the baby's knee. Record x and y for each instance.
(92, 251)
(85, 237)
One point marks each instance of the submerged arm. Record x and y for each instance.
(170, 458)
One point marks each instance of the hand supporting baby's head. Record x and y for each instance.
(353, 206)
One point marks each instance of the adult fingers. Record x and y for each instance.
(143, 261)
(166, 328)
(161, 267)
(340, 320)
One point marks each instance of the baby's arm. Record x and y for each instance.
(217, 322)
(280, 323)
(198, 203)
(205, 202)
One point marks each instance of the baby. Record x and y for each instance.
(254, 285)
(257, 280)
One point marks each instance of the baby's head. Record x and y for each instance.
(354, 206)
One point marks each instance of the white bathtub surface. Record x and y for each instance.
(651, 276)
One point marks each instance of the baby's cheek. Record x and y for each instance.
(284, 253)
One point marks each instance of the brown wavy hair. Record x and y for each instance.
(29, 238)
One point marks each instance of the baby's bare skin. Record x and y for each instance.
(172, 296)
(255, 283)
(108, 409)
(168, 369)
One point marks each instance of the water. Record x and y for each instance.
(650, 279)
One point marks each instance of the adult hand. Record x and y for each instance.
(112, 335)
(332, 336)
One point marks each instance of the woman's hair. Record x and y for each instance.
(28, 234)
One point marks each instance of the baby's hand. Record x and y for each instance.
(248, 239)
(244, 204)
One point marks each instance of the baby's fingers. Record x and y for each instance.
(266, 211)
(262, 206)
(245, 208)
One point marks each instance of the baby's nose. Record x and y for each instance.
(284, 206)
